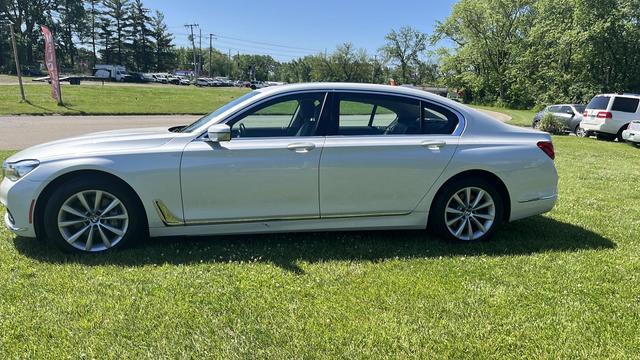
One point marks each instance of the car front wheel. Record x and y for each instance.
(91, 215)
(467, 210)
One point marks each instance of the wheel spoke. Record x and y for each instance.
(111, 206)
(484, 216)
(70, 223)
(112, 229)
(487, 204)
(469, 230)
(83, 201)
(459, 231)
(105, 239)
(73, 211)
(457, 198)
(451, 222)
(479, 224)
(77, 235)
(115, 217)
(97, 200)
(89, 243)
(479, 197)
(468, 197)
(453, 211)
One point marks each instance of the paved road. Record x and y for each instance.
(19, 132)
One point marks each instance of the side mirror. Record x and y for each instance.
(219, 132)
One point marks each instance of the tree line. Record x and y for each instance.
(520, 53)
(87, 31)
(525, 53)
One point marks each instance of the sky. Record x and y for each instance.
(288, 29)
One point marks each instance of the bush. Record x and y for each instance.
(551, 125)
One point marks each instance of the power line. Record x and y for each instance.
(267, 43)
(193, 43)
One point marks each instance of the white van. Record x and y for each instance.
(608, 115)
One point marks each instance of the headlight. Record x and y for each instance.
(14, 171)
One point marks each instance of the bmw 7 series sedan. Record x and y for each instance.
(304, 157)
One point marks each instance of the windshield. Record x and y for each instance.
(599, 103)
(205, 119)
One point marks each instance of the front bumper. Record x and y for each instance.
(16, 197)
(631, 136)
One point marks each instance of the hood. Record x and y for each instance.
(106, 142)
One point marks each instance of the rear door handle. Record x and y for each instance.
(301, 147)
(433, 144)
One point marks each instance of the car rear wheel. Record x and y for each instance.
(467, 210)
(580, 132)
(91, 215)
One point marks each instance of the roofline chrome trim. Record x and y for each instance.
(459, 130)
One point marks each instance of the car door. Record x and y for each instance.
(565, 115)
(267, 171)
(383, 153)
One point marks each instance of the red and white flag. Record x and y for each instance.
(52, 64)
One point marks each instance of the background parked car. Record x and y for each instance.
(632, 134)
(608, 115)
(202, 82)
(569, 114)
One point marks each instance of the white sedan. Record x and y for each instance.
(632, 133)
(303, 157)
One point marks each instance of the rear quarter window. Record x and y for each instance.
(625, 104)
(599, 103)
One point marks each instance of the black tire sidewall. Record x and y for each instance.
(437, 213)
(76, 185)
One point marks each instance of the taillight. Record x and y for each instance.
(585, 114)
(547, 147)
(604, 115)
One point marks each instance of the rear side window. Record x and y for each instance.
(599, 103)
(437, 120)
(624, 104)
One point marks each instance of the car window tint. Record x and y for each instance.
(580, 108)
(296, 115)
(438, 120)
(554, 109)
(369, 114)
(599, 103)
(625, 104)
(566, 109)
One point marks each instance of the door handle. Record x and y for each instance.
(301, 147)
(433, 145)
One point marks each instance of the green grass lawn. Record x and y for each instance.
(563, 285)
(116, 99)
(518, 117)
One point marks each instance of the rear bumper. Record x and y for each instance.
(533, 207)
(601, 128)
(631, 136)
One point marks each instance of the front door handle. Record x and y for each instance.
(301, 147)
(433, 144)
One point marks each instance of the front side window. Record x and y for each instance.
(625, 104)
(293, 115)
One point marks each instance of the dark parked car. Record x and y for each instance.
(569, 114)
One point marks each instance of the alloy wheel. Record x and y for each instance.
(470, 213)
(93, 220)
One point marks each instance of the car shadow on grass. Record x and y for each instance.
(535, 235)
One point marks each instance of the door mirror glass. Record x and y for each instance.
(218, 133)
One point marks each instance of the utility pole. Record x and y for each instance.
(193, 44)
(200, 51)
(210, 52)
(229, 66)
(17, 60)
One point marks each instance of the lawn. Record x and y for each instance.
(518, 117)
(116, 99)
(563, 285)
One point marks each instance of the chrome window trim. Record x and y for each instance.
(458, 131)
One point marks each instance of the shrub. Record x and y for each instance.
(551, 125)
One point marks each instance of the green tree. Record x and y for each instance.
(404, 48)
(163, 43)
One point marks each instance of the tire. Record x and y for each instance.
(580, 132)
(446, 209)
(605, 137)
(75, 222)
(619, 134)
